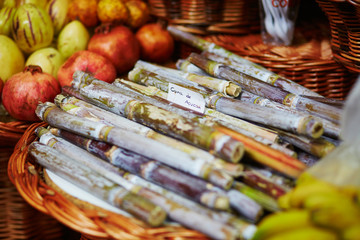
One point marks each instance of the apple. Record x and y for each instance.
(156, 43)
(11, 57)
(49, 59)
(72, 38)
(87, 61)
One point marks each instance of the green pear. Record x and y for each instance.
(72, 38)
(11, 56)
(49, 59)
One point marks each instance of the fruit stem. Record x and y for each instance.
(33, 69)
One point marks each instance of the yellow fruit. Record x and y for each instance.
(306, 233)
(139, 13)
(301, 192)
(281, 222)
(284, 200)
(337, 216)
(327, 199)
(351, 233)
(112, 11)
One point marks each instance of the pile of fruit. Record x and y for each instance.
(43, 42)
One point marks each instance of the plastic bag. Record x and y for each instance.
(342, 165)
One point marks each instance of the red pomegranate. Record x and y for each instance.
(117, 44)
(25, 90)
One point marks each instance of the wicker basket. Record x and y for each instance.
(18, 219)
(209, 16)
(344, 19)
(308, 61)
(92, 222)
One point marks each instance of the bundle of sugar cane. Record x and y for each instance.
(331, 129)
(55, 117)
(173, 180)
(257, 150)
(276, 118)
(209, 113)
(266, 90)
(95, 183)
(168, 122)
(266, 201)
(245, 229)
(144, 197)
(240, 203)
(219, 85)
(319, 147)
(213, 117)
(83, 109)
(249, 68)
(188, 186)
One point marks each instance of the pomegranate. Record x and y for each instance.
(117, 44)
(156, 43)
(24, 90)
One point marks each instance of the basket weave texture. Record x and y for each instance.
(92, 222)
(344, 19)
(19, 220)
(209, 16)
(309, 61)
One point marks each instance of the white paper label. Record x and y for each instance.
(186, 98)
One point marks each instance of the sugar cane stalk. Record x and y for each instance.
(167, 122)
(49, 113)
(318, 147)
(83, 109)
(244, 228)
(257, 70)
(266, 201)
(267, 156)
(263, 75)
(331, 129)
(256, 150)
(262, 183)
(295, 123)
(96, 184)
(184, 184)
(215, 84)
(187, 66)
(266, 90)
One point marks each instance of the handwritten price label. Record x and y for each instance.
(279, 3)
(186, 98)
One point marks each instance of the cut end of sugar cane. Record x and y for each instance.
(226, 147)
(216, 201)
(220, 179)
(311, 127)
(233, 90)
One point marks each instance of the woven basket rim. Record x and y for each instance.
(24, 174)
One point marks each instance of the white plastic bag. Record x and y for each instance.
(342, 165)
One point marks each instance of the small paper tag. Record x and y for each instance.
(186, 98)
